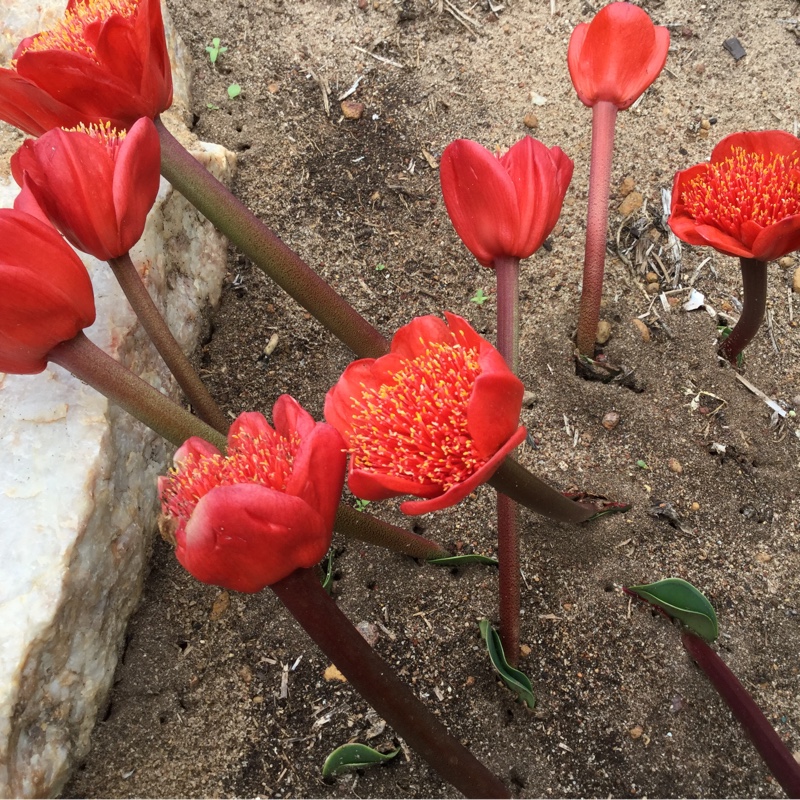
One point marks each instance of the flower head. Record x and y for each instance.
(95, 184)
(434, 418)
(745, 201)
(250, 518)
(616, 56)
(506, 206)
(105, 61)
(45, 292)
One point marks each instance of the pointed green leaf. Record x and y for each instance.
(515, 680)
(327, 580)
(681, 600)
(457, 561)
(350, 757)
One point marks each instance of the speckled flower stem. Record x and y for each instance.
(773, 751)
(754, 303)
(366, 528)
(507, 272)
(265, 249)
(86, 361)
(604, 116)
(371, 676)
(161, 336)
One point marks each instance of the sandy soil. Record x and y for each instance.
(621, 710)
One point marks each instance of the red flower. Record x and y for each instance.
(507, 206)
(616, 56)
(249, 519)
(94, 184)
(434, 418)
(745, 201)
(105, 61)
(45, 292)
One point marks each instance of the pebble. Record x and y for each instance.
(786, 262)
(524, 650)
(632, 203)
(796, 280)
(675, 466)
(763, 558)
(369, 631)
(603, 331)
(531, 121)
(705, 125)
(332, 674)
(651, 277)
(644, 331)
(222, 602)
(528, 399)
(626, 186)
(610, 420)
(636, 732)
(695, 506)
(653, 288)
(351, 109)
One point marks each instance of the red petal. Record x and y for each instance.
(777, 240)
(761, 142)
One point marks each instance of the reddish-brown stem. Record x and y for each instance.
(776, 755)
(161, 336)
(754, 303)
(86, 361)
(371, 676)
(604, 115)
(507, 272)
(265, 249)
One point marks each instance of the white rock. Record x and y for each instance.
(78, 478)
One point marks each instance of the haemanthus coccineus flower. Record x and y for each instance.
(95, 184)
(434, 418)
(250, 518)
(745, 201)
(105, 61)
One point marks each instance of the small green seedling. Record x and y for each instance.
(215, 50)
(380, 267)
(642, 464)
(234, 90)
(361, 505)
(212, 107)
(480, 298)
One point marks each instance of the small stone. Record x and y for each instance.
(644, 331)
(705, 125)
(369, 631)
(699, 68)
(351, 109)
(222, 602)
(763, 558)
(651, 277)
(470, 681)
(626, 186)
(524, 650)
(531, 121)
(636, 732)
(675, 466)
(631, 204)
(796, 281)
(528, 399)
(333, 674)
(786, 262)
(695, 506)
(603, 331)
(274, 87)
(653, 288)
(246, 674)
(702, 134)
(610, 420)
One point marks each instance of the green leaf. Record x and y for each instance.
(350, 757)
(681, 600)
(515, 680)
(327, 581)
(479, 298)
(457, 561)
(642, 464)
(361, 505)
(234, 90)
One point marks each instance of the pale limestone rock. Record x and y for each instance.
(78, 477)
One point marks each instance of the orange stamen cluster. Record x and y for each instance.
(266, 458)
(69, 33)
(745, 187)
(109, 137)
(416, 426)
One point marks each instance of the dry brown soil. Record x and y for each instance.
(622, 711)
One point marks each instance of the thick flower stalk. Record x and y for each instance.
(105, 61)
(745, 202)
(251, 517)
(612, 60)
(434, 418)
(45, 292)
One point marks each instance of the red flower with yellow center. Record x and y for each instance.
(250, 518)
(746, 200)
(434, 418)
(107, 60)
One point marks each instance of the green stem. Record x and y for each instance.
(265, 249)
(772, 750)
(90, 364)
(366, 528)
(371, 676)
(161, 336)
(754, 302)
(604, 116)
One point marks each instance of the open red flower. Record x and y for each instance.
(250, 518)
(504, 207)
(616, 56)
(106, 61)
(434, 418)
(45, 292)
(745, 201)
(96, 185)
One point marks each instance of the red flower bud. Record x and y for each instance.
(106, 61)
(94, 184)
(45, 292)
(616, 56)
(507, 206)
(745, 201)
(250, 518)
(434, 418)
